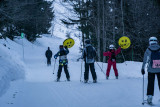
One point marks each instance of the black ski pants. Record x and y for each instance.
(48, 61)
(65, 70)
(151, 78)
(86, 73)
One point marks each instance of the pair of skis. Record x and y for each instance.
(146, 102)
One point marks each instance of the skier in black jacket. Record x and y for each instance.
(48, 56)
(63, 62)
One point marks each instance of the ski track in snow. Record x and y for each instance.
(40, 90)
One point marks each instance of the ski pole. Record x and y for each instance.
(123, 58)
(143, 91)
(81, 70)
(100, 68)
(54, 66)
(102, 63)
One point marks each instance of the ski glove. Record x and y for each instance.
(142, 71)
(55, 57)
(65, 47)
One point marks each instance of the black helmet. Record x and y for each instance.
(60, 46)
(87, 41)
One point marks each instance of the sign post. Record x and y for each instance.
(22, 36)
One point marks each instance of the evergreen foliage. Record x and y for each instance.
(105, 21)
(31, 17)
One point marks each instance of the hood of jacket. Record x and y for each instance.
(87, 45)
(154, 47)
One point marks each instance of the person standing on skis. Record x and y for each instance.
(48, 54)
(152, 57)
(63, 62)
(89, 54)
(112, 53)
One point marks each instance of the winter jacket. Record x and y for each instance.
(48, 53)
(84, 54)
(147, 58)
(109, 54)
(62, 56)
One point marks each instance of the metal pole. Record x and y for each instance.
(102, 63)
(23, 48)
(54, 66)
(101, 69)
(124, 58)
(143, 90)
(81, 71)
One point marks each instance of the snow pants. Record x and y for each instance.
(151, 78)
(86, 73)
(110, 63)
(65, 70)
(48, 61)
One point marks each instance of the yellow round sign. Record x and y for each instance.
(68, 42)
(124, 42)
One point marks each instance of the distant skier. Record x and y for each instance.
(112, 53)
(89, 54)
(63, 62)
(152, 57)
(48, 56)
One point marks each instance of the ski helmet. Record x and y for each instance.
(87, 41)
(111, 46)
(153, 40)
(60, 46)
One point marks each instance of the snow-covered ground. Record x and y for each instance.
(11, 66)
(38, 88)
(26, 81)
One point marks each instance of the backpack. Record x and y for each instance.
(113, 57)
(155, 58)
(90, 52)
(62, 52)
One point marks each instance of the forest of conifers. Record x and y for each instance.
(102, 21)
(105, 21)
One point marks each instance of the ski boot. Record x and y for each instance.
(94, 81)
(68, 79)
(85, 81)
(58, 80)
(116, 77)
(107, 77)
(149, 99)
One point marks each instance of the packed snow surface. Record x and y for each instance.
(33, 82)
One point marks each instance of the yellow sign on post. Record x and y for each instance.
(124, 42)
(68, 42)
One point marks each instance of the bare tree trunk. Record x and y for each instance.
(104, 31)
(80, 3)
(98, 30)
(113, 19)
(122, 16)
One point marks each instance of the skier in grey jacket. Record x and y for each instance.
(89, 54)
(152, 59)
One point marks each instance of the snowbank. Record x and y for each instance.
(11, 66)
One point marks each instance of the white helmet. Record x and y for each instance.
(153, 40)
(111, 46)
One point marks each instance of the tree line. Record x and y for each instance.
(31, 17)
(105, 21)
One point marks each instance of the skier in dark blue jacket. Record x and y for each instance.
(48, 56)
(63, 62)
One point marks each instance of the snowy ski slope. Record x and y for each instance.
(38, 88)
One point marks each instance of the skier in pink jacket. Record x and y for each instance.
(112, 53)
